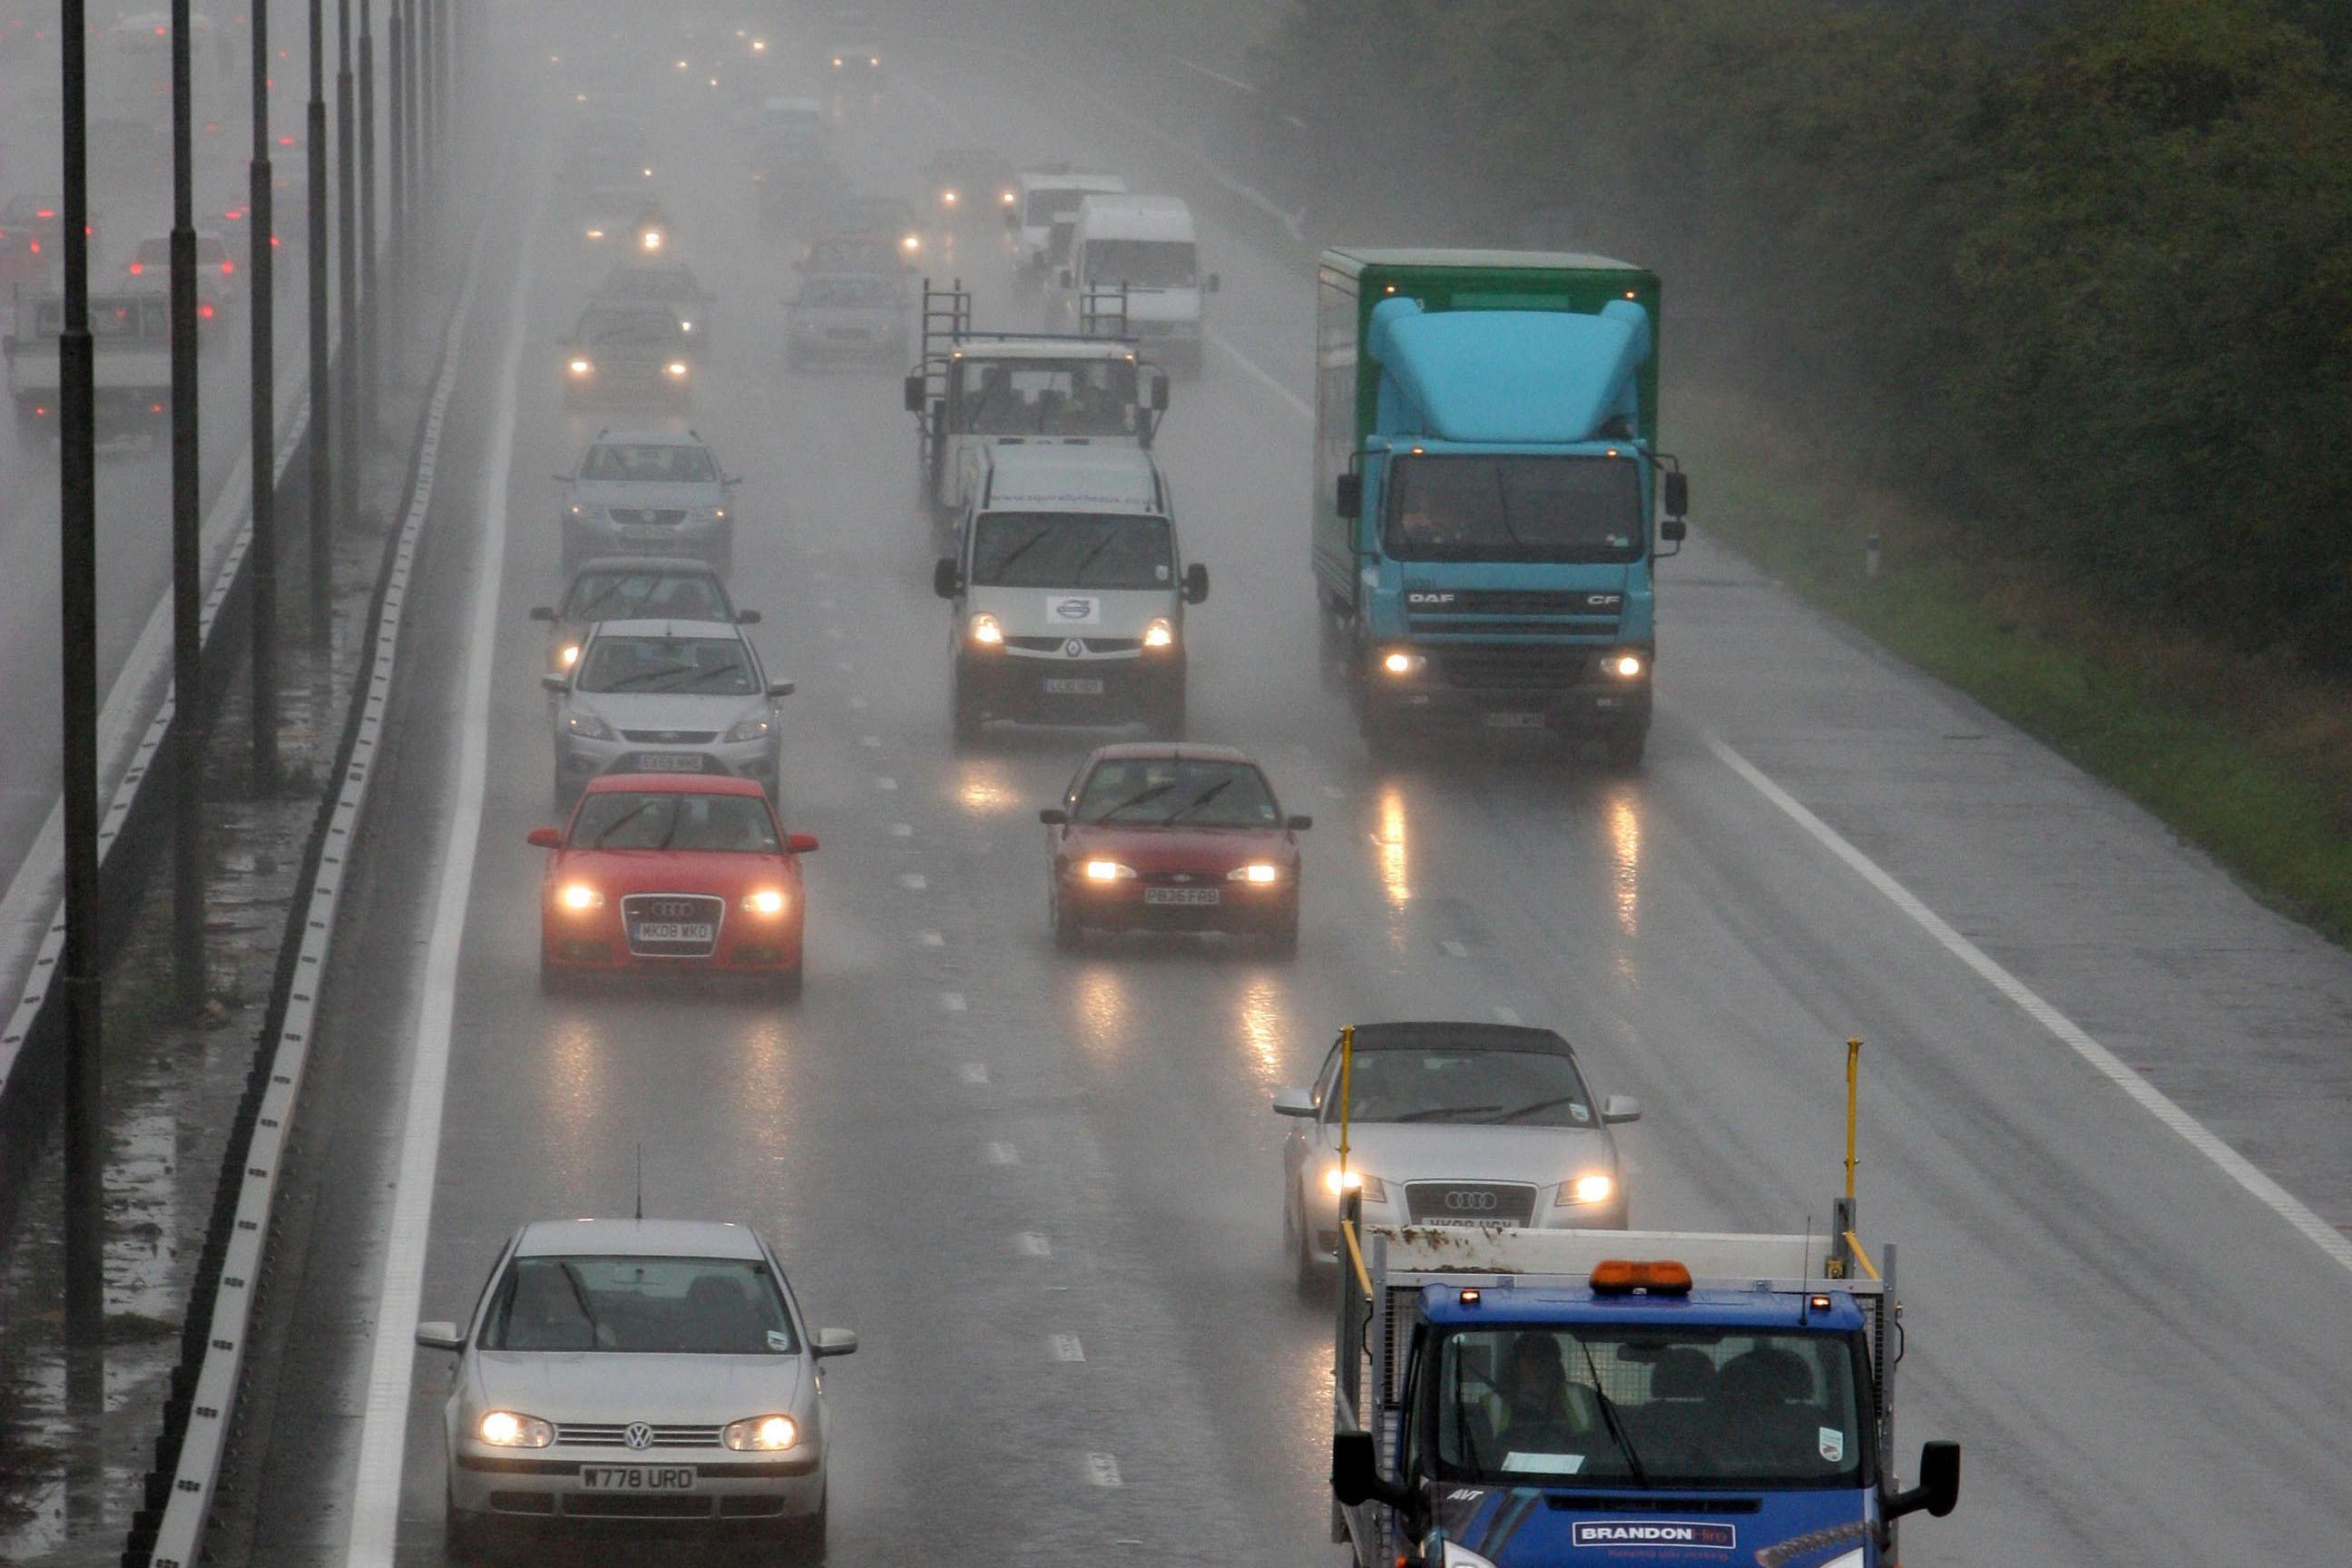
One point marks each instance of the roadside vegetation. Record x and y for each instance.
(2068, 286)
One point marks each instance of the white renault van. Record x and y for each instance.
(1136, 259)
(1069, 590)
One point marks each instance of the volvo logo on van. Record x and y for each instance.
(1459, 1201)
(1073, 609)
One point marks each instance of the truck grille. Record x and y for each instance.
(693, 908)
(616, 1434)
(1469, 1203)
(1514, 611)
(1526, 666)
(1093, 644)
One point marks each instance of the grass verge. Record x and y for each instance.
(2244, 755)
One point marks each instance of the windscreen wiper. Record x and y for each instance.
(621, 821)
(1138, 799)
(1559, 1099)
(1609, 1418)
(1017, 551)
(1202, 798)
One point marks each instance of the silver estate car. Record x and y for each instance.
(635, 1371)
(664, 697)
(648, 492)
(1451, 1124)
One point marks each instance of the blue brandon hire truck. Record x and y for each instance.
(1487, 472)
(1577, 1399)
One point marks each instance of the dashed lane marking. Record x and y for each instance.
(913, 881)
(974, 1073)
(1102, 1469)
(1032, 1243)
(1453, 949)
(902, 830)
(928, 938)
(1002, 1154)
(951, 1002)
(869, 739)
(885, 782)
(1507, 1015)
(1065, 1347)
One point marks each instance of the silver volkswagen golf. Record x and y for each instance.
(634, 1372)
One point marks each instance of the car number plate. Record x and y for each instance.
(1184, 895)
(675, 931)
(1515, 720)
(669, 763)
(1072, 686)
(637, 1478)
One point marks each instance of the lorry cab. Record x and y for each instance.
(1137, 259)
(1046, 210)
(1069, 591)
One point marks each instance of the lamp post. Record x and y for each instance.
(347, 276)
(187, 601)
(396, 210)
(323, 603)
(365, 366)
(261, 280)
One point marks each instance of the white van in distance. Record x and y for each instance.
(1136, 258)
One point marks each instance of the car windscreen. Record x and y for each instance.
(1141, 263)
(1173, 792)
(649, 462)
(634, 596)
(853, 252)
(1051, 202)
(866, 292)
(1071, 550)
(1439, 1084)
(624, 328)
(650, 283)
(1599, 1404)
(1514, 509)
(1045, 397)
(673, 820)
(651, 1305)
(703, 666)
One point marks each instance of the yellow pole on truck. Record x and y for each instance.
(1346, 1094)
(1853, 1094)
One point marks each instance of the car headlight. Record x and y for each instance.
(580, 896)
(595, 233)
(985, 631)
(1258, 871)
(506, 1429)
(761, 1433)
(1624, 664)
(949, 197)
(686, 326)
(580, 367)
(1006, 197)
(1336, 1181)
(1456, 1556)
(746, 729)
(1401, 662)
(675, 370)
(913, 242)
(766, 901)
(710, 514)
(1107, 871)
(1597, 1187)
(570, 656)
(1159, 633)
(653, 239)
(587, 727)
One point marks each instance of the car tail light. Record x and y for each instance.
(137, 268)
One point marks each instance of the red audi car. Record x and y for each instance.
(672, 871)
(1166, 836)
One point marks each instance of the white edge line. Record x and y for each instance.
(2235, 1165)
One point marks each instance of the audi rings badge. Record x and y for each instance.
(1459, 1201)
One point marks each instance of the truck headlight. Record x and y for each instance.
(1462, 1557)
(571, 655)
(1399, 663)
(1159, 633)
(985, 631)
(1624, 664)
(1336, 1181)
(761, 1433)
(1598, 1187)
(506, 1429)
(675, 370)
(580, 367)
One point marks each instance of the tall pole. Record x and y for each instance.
(396, 209)
(261, 281)
(85, 1151)
(187, 597)
(429, 117)
(347, 277)
(323, 603)
(369, 304)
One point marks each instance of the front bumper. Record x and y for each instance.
(628, 385)
(595, 942)
(709, 540)
(1009, 685)
(578, 759)
(1534, 687)
(1242, 908)
(1323, 1219)
(547, 1485)
(849, 346)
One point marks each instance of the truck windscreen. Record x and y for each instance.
(1044, 397)
(1603, 1405)
(1514, 509)
(1141, 263)
(1071, 550)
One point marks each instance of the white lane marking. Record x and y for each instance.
(902, 830)
(1002, 1154)
(2235, 1165)
(1335, 792)
(1032, 1243)
(1453, 949)
(383, 1434)
(951, 1002)
(913, 882)
(1065, 1347)
(974, 1073)
(1259, 374)
(843, 666)
(885, 782)
(833, 632)
(1506, 1015)
(825, 603)
(858, 703)
(930, 939)
(1102, 1470)
(869, 739)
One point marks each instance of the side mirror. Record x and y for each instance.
(1215, 283)
(801, 843)
(747, 617)
(1159, 394)
(1356, 1476)
(1062, 277)
(1348, 495)
(1054, 817)
(833, 1342)
(543, 612)
(1299, 823)
(1619, 1108)
(1939, 1491)
(1677, 496)
(439, 1337)
(1294, 1102)
(554, 681)
(1196, 582)
(545, 837)
(912, 394)
(731, 479)
(1673, 531)
(781, 688)
(946, 581)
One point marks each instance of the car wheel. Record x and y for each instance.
(466, 1536)
(1068, 934)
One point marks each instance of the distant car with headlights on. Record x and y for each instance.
(890, 218)
(669, 873)
(636, 1372)
(671, 284)
(648, 492)
(626, 219)
(1157, 836)
(630, 588)
(1450, 1124)
(849, 317)
(967, 184)
(664, 697)
(626, 354)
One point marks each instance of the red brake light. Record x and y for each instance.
(1619, 1277)
(205, 310)
(163, 32)
(227, 267)
(46, 212)
(137, 268)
